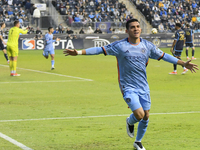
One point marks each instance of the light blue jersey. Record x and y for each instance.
(49, 44)
(132, 61)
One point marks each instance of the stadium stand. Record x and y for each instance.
(167, 12)
(9, 12)
(84, 13)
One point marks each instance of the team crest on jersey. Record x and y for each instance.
(143, 50)
(128, 100)
(28, 44)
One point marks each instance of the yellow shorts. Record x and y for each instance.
(12, 51)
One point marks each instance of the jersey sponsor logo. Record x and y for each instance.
(135, 58)
(100, 42)
(28, 44)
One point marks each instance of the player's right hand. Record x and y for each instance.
(70, 52)
(57, 39)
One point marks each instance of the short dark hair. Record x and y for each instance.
(187, 25)
(49, 28)
(16, 22)
(2, 24)
(129, 21)
(178, 24)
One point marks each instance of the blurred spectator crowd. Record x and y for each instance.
(22, 10)
(86, 12)
(164, 14)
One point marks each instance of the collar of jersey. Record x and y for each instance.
(134, 44)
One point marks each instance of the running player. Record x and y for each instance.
(189, 41)
(132, 55)
(2, 43)
(177, 47)
(12, 46)
(49, 49)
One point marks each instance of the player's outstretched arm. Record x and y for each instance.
(174, 60)
(74, 52)
(192, 67)
(89, 51)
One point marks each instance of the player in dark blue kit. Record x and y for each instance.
(189, 35)
(177, 46)
(2, 43)
(132, 55)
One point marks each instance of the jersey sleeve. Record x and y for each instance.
(111, 49)
(48, 39)
(23, 31)
(156, 53)
(176, 36)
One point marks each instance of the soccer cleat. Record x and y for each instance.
(8, 61)
(15, 74)
(52, 68)
(184, 71)
(129, 129)
(173, 72)
(193, 58)
(138, 146)
(188, 58)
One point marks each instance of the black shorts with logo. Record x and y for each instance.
(1, 46)
(177, 54)
(189, 45)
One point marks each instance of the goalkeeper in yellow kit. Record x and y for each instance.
(12, 46)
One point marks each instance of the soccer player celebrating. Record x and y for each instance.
(133, 55)
(2, 43)
(49, 49)
(12, 46)
(189, 41)
(177, 46)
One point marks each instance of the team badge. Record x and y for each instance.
(143, 50)
(128, 100)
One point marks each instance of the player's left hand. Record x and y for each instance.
(191, 66)
(57, 39)
(172, 50)
(70, 52)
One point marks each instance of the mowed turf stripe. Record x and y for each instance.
(7, 138)
(44, 81)
(100, 116)
(61, 75)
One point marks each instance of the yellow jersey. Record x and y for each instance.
(13, 36)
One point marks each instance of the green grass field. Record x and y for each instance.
(47, 94)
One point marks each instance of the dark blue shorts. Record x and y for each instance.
(2, 47)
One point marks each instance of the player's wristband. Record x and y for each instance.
(79, 52)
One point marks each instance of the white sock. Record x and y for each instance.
(175, 71)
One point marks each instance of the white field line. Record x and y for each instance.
(50, 73)
(100, 116)
(43, 81)
(7, 138)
